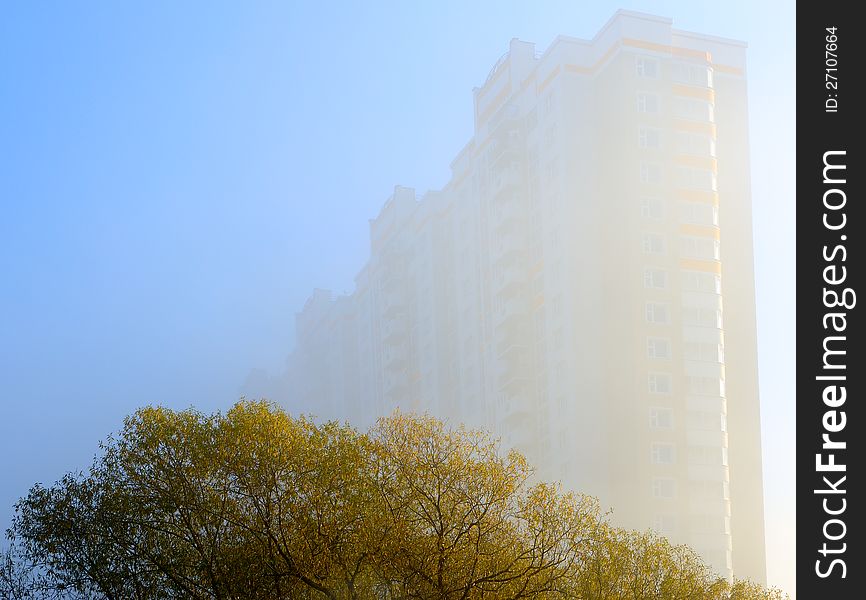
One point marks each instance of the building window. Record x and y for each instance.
(706, 420)
(705, 489)
(705, 386)
(548, 103)
(647, 103)
(659, 383)
(692, 74)
(655, 278)
(700, 214)
(665, 524)
(661, 418)
(664, 488)
(693, 109)
(650, 173)
(697, 144)
(657, 313)
(707, 523)
(662, 453)
(550, 136)
(707, 455)
(649, 137)
(702, 317)
(647, 67)
(695, 179)
(658, 348)
(651, 208)
(552, 170)
(700, 281)
(562, 402)
(531, 120)
(653, 243)
(704, 352)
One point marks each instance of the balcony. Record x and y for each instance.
(514, 355)
(507, 214)
(509, 245)
(514, 383)
(508, 280)
(515, 411)
(391, 281)
(507, 118)
(719, 505)
(522, 437)
(515, 370)
(505, 180)
(511, 333)
(511, 311)
(397, 392)
(392, 305)
(394, 360)
(394, 331)
(505, 150)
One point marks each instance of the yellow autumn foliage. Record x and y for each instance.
(255, 503)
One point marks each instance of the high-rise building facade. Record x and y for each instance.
(583, 286)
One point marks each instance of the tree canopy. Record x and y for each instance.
(255, 504)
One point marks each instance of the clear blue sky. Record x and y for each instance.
(176, 177)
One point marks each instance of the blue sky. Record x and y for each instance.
(176, 177)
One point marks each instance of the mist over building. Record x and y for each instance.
(583, 287)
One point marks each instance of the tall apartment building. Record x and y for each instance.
(583, 286)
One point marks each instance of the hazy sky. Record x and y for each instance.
(176, 177)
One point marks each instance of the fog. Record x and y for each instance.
(176, 181)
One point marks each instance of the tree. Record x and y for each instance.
(464, 521)
(304, 496)
(255, 504)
